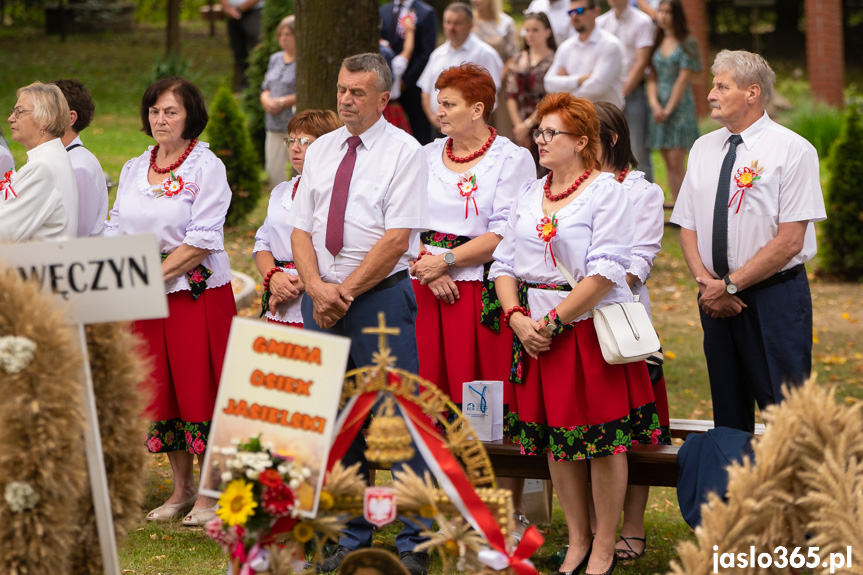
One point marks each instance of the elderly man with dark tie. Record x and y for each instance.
(746, 233)
(357, 216)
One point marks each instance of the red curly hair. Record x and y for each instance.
(473, 81)
(579, 116)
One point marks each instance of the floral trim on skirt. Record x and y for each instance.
(178, 435)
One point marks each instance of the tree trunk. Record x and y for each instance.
(328, 31)
(173, 31)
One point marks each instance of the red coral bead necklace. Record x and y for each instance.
(473, 156)
(176, 164)
(622, 175)
(569, 191)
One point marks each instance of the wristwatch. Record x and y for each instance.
(449, 258)
(550, 329)
(729, 286)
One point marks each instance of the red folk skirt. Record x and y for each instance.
(287, 323)
(395, 115)
(453, 346)
(576, 406)
(188, 349)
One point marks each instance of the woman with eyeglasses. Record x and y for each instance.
(524, 83)
(565, 251)
(474, 173)
(273, 255)
(39, 201)
(178, 190)
(278, 97)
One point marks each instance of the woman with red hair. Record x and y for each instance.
(565, 251)
(474, 174)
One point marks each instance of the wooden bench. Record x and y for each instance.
(648, 464)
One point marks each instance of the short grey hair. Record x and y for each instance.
(746, 69)
(49, 107)
(463, 7)
(371, 62)
(288, 22)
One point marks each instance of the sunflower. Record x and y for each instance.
(303, 532)
(237, 504)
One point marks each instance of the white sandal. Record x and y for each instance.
(171, 511)
(200, 516)
(518, 533)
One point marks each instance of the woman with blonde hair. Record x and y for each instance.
(40, 201)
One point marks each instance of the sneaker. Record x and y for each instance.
(415, 563)
(332, 562)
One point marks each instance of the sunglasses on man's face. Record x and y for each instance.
(577, 11)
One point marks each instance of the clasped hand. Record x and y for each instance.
(330, 303)
(284, 287)
(531, 333)
(432, 271)
(716, 301)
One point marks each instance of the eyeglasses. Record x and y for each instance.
(303, 142)
(549, 134)
(579, 11)
(17, 111)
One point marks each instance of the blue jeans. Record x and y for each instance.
(400, 307)
(636, 111)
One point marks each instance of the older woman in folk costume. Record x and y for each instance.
(273, 255)
(474, 174)
(569, 404)
(179, 191)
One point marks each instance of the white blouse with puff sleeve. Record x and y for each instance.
(501, 173)
(594, 237)
(647, 199)
(274, 236)
(195, 219)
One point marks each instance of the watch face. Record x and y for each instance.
(449, 258)
(549, 328)
(731, 288)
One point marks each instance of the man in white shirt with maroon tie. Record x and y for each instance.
(358, 212)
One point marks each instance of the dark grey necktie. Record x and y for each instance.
(720, 209)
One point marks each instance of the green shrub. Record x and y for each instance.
(842, 239)
(818, 122)
(273, 12)
(230, 140)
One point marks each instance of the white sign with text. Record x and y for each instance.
(99, 279)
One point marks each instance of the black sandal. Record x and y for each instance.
(630, 554)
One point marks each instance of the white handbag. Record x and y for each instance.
(624, 330)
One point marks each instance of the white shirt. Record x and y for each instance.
(275, 236)
(400, 65)
(789, 190)
(594, 237)
(46, 206)
(196, 220)
(445, 56)
(500, 174)
(92, 190)
(601, 56)
(633, 28)
(647, 199)
(388, 191)
(558, 16)
(7, 162)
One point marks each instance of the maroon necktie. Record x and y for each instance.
(339, 198)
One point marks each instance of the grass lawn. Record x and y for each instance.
(117, 70)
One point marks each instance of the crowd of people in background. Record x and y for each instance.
(486, 194)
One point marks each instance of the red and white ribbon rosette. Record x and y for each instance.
(173, 185)
(547, 228)
(6, 186)
(410, 17)
(745, 179)
(467, 188)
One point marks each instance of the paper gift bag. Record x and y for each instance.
(482, 405)
(536, 501)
